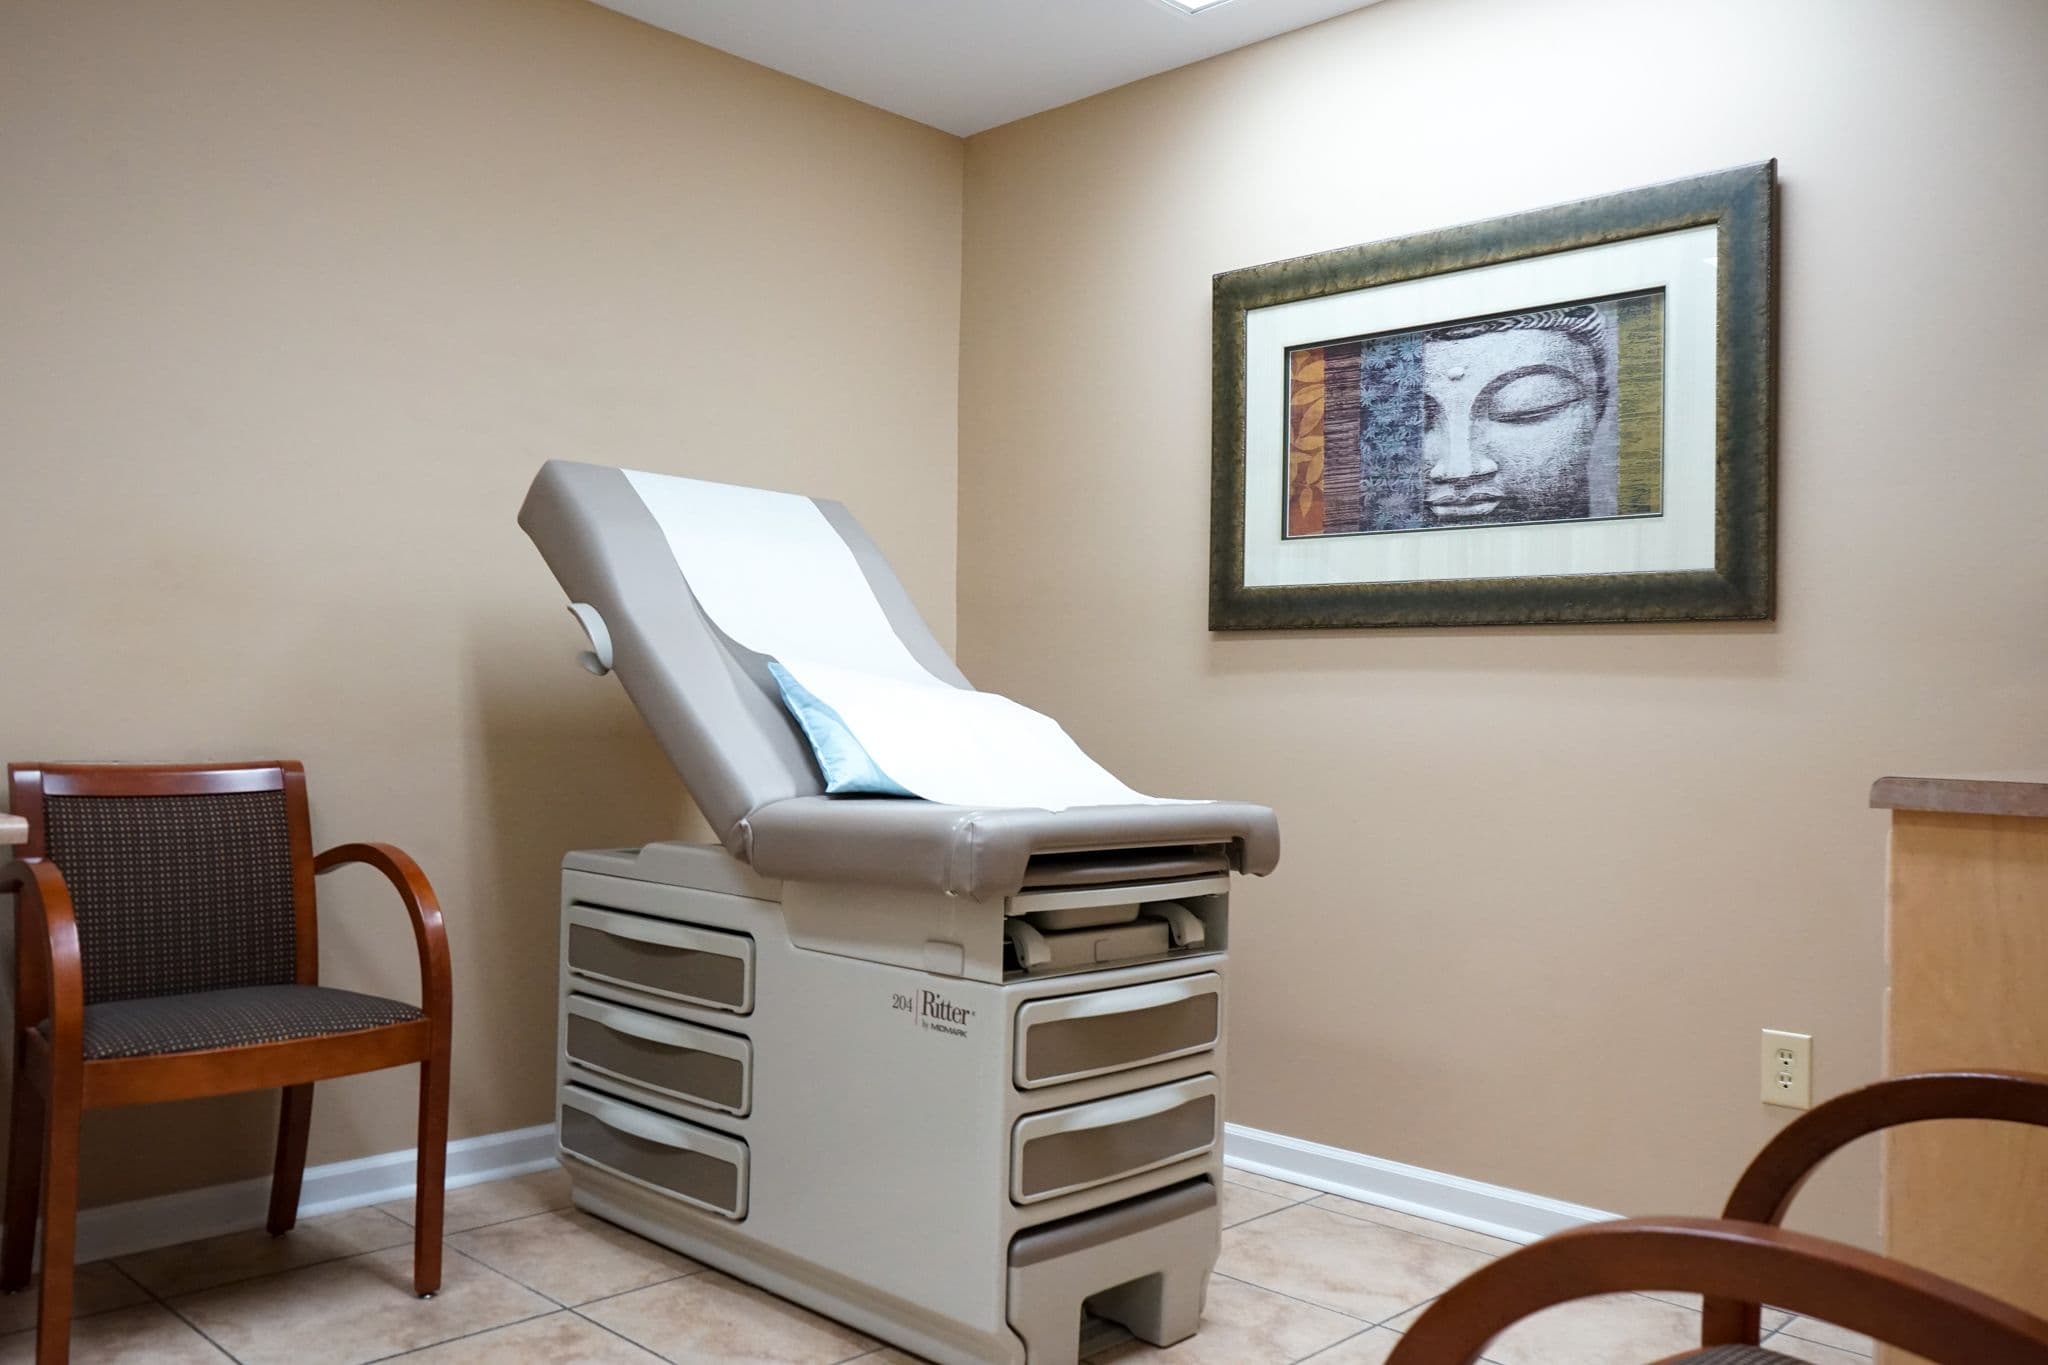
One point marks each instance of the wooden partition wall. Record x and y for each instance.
(1968, 952)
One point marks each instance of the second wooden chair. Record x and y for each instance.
(1744, 1260)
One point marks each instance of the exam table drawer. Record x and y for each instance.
(1063, 1150)
(706, 967)
(697, 1065)
(662, 1153)
(1071, 1037)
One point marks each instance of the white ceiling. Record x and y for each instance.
(966, 65)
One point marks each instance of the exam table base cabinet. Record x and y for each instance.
(912, 1135)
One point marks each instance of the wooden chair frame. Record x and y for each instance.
(1744, 1259)
(54, 1084)
(1893, 1302)
(1770, 1182)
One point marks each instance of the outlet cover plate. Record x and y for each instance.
(1788, 1069)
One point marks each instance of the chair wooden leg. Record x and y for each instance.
(294, 1123)
(433, 1172)
(24, 1179)
(60, 1216)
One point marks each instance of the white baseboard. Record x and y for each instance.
(1472, 1204)
(143, 1224)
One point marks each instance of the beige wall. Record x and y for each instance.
(1541, 886)
(298, 295)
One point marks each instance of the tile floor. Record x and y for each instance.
(1304, 1276)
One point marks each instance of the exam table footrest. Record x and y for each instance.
(1144, 1263)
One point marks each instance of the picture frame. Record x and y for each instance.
(1563, 416)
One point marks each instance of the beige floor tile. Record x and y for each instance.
(1252, 1180)
(557, 1339)
(1401, 1322)
(191, 1266)
(1242, 1202)
(1827, 1334)
(1245, 1325)
(711, 1317)
(1365, 1269)
(1614, 1329)
(498, 1201)
(1099, 1336)
(1370, 1347)
(1773, 1318)
(355, 1310)
(148, 1335)
(95, 1288)
(572, 1257)
(1408, 1222)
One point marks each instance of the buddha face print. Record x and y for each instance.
(1520, 417)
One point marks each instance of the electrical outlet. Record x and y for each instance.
(1788, 1069)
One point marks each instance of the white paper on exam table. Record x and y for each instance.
(774, 575)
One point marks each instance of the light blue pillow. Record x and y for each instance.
(845, 764)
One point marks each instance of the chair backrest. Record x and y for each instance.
(182, 878)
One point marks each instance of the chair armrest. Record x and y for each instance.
(1893, 1302)
(436, 989)
(1775, 1176)
(49, 984)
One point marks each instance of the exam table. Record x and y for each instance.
(950, 1074)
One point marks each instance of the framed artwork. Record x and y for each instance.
(1560, 416)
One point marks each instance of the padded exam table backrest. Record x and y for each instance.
(718, 715)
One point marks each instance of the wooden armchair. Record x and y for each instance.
(166, 947)
(1743, 1259)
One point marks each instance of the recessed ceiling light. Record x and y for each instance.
(1194, 6)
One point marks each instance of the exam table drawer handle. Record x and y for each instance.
(1063, 1150)
(663, 1154)
(1072, 1037)
(704, 967)
(697, 1065)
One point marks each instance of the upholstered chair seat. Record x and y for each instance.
(1734, 1355)
(240, 1017)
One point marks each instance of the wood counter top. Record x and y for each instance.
(2024, 792)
